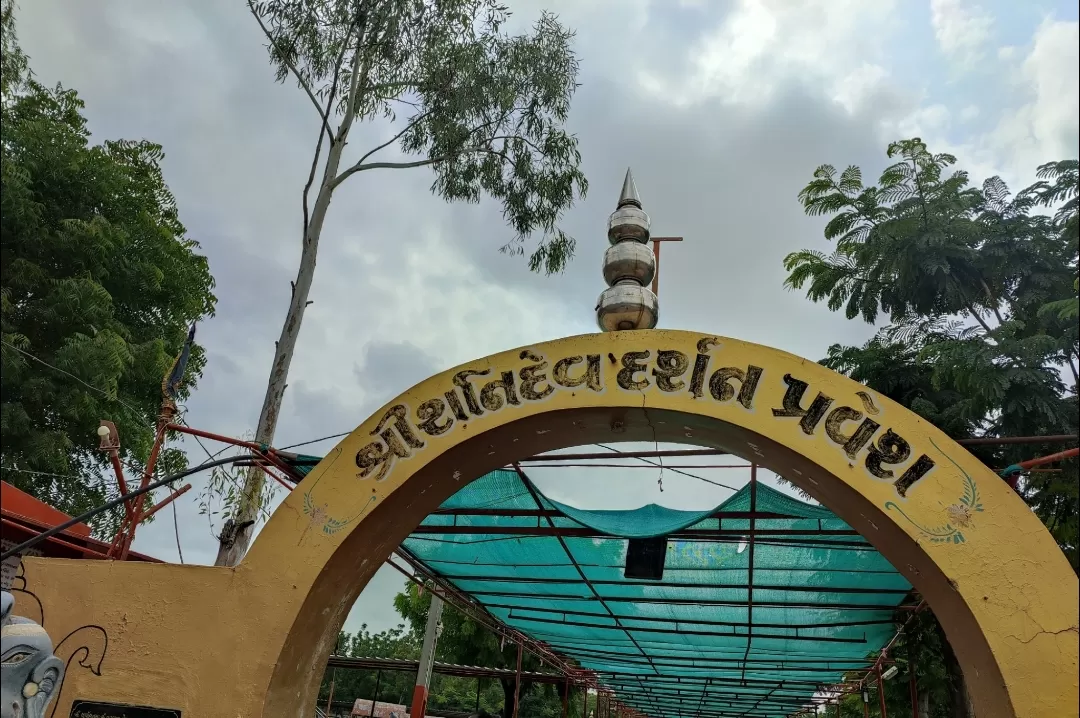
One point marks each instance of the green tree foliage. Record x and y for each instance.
(13, 62)
(979, 287)
(484, 110)
(393, 687)
(464, 641)
(99, 284)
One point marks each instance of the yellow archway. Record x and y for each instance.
(1002, 589)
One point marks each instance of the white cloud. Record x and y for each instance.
(854, 89)
(1039, 121)
(761, 45)
(1046, 127)
(962, 30)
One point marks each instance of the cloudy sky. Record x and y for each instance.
(722, 108)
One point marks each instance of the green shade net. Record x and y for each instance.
(689, 644)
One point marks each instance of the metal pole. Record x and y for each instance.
(427, 657)
(330, 698)
(566, 699)
(375, 698)
(584, 701)
(656, 259)
(333, 676)
(478, 681)
(881, 692)
(912, 682)
(517, 682)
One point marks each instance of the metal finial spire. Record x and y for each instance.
(628, 267)
(629, 194)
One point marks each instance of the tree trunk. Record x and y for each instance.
(956, 686)
(508, 696)
(235, 542)
(924, 705)
(236, 539)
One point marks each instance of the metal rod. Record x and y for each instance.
(97, 553)
(330, 698)
(172, 497)
(684, 631)
(913, 687)
(566, 549)
(693, 621)
(676, 584)
(590, 465)
(172, 478)
(508, 513)
(881, 693)
(1003, 440)
(624, 455)
(476, 611)
(517, 682)
(585, 532)
(375, 697)
(703, 602)
(658, 453)
(656, 260)
(750, 569)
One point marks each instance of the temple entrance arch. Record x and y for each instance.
(1000, 586)
(254, 640)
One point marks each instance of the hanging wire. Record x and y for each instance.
(674, 471)
(315, 441)
(91, 387)
(176, 530)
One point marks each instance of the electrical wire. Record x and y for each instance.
(674, 471)
(171, 478)
(176, 530)
(69, 374)
(230, 477)
(315, 441)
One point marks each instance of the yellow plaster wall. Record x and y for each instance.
(219, 642)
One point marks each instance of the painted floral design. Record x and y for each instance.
(958, 516)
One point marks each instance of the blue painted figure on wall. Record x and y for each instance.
(30, 675)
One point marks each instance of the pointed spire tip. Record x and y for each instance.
(629, 194)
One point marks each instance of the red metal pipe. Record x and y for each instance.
(175, 495)
(214, 437)
(1012, 473)
(266, 454)
(59, 541)
(1003, 440)
(881, 693)
(1060, 456)
(129, 537)
(118, 469)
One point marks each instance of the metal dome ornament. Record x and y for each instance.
(628, 268)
